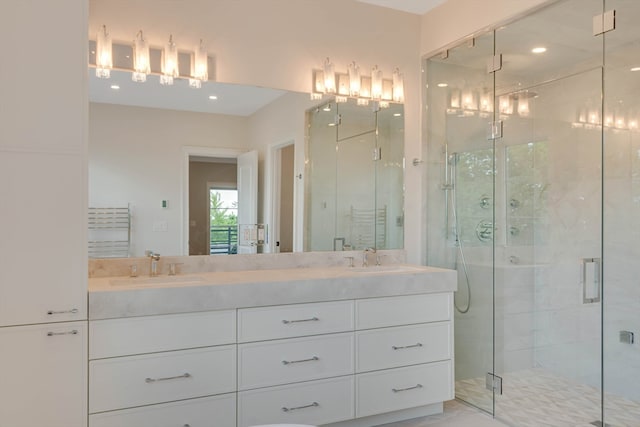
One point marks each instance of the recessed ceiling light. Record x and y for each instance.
(213, 97)
(442, 85)
(635, 69)
(115, 87)
(539, 49)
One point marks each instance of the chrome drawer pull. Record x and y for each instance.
(314, 404)
(311, 319)
(398, 390)
(154, 380)
(289, 362)
(72, 311)
(406, 346)
(53, 334)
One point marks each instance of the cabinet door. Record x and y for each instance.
(43, 247)
(43, 375)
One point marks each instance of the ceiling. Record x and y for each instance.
(419, 7)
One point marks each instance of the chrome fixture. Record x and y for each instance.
(172, 268)
(365, 253)
(484, 231)
(153, 267)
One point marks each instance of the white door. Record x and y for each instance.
(247, 198)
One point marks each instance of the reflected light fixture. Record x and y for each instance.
(199, 67)
(104, 54)
(539, 49)
(635, 69)
(329, 77)
(169, 62)
(354, 79)
(442, 85)
(213, 97)
(376, 83)
(141, 63)
(114, 87)
(398, 86)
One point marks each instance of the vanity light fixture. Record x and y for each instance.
(104, 54)
(169, 62)
(141, 59)
(352, 84)
(199, 67)
(141, 62)
(539, 49)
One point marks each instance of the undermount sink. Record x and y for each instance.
(379, 269)
(164, 280)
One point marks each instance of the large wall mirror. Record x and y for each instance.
(168, 157)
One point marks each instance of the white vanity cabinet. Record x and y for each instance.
(42, 382)
(404, 349)
(168, 370)
(352, 362)
(306, 377)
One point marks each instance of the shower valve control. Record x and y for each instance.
(627, 337)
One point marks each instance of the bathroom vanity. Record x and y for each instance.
(324, 346)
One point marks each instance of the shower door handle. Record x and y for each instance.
(591, 280)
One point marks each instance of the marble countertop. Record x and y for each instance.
(115, 297)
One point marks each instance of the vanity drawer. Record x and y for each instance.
(402, 388)
(402, 345)
(314, 402)
(137, 335)
(216, 411)
(126, 382)
(287, 321)
(402, 310)
(278, 362)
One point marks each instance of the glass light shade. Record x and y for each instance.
(454, 99)
(104, 54)
(199, 66)
(376, 83)
(341, 99)
(485, 103)
(169, 63)
(398, 86)
(362, 101)
(469, 101)
(343, 85)
(329, 77)
(523, 106)
(141, 63)
(506, 106)
(354, 79)
(594, 117)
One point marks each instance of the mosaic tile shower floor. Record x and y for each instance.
(538, 398)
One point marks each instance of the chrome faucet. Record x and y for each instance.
(365, 261)
(154, 257)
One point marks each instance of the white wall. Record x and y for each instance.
(135, 156)
(276, 43)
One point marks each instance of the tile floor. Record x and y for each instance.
(538, 398)
(455, 414)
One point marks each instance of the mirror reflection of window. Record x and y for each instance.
(223, 221)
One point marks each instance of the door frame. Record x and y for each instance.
(273, 171)
(192, 151)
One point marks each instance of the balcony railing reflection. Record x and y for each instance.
(223, 239)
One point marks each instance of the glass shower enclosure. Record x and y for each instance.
(533, 196)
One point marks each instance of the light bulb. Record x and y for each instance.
(376, 83)
(329, 77)
(199, 67)
(354, 79)
(398, 86)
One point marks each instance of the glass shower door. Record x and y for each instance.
(460, 210)
(548, 257)
(621, 245)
